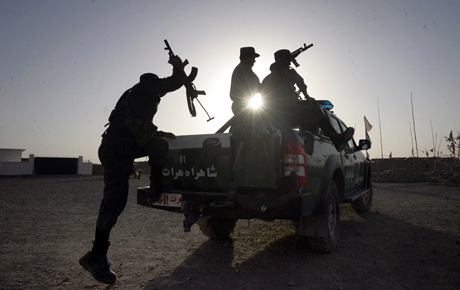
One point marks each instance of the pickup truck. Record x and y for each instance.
(260, 172)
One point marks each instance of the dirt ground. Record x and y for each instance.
(409, 240)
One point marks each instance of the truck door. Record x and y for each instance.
(346, 156)
(351, 164)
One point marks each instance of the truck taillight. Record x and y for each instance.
(294, 160)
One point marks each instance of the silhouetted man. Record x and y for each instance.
(245, 83)
(131, 135)
(284, 105)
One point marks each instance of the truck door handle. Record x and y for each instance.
(354, 156)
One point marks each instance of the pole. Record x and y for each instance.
(439, 146)
(458, 151)
(413, 121)
(411, 139)
(380, 127)
(432, 136)
(365, 134)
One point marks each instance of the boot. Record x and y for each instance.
(97, 264)
(340, 140)
(156, 184)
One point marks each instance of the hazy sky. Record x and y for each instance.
(64, 64)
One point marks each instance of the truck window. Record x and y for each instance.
(351, 143)
(335, 124)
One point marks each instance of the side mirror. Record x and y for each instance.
(364, 144)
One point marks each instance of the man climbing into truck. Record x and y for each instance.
(130, 135)
(284, 106)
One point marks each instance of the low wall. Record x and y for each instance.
(433, 170)
(84, 168)
(24, 167)
(414, 164)
(29, 166)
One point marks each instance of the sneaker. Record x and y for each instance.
(100, 268)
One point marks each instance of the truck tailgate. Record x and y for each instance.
(223, 162)
(199, 162)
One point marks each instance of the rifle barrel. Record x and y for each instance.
(171, 53)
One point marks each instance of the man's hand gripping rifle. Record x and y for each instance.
(192, 92)
(296, 53)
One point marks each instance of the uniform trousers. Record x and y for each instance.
(117, 153)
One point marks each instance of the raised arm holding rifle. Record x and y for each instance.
(192, 92)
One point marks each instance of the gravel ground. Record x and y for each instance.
(409, 240)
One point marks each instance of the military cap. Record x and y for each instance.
(283, 54)
(248, 51)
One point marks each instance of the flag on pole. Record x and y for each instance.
(367, 124)
(368, 138)
(368, 127)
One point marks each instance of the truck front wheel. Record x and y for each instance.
(217, 228)
(364, 203)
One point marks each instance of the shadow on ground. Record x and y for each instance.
(376, 252)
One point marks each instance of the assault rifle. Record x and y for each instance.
(192, 92)
(296, 53)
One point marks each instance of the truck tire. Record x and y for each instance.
(327, 224)
(364, 203)
(217, 228)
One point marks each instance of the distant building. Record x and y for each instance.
(11, 164)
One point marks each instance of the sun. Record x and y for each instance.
(255, 102)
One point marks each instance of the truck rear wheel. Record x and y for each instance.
(326, 225)
(364, 203)
(217, 228)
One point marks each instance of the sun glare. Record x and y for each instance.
(255, 102)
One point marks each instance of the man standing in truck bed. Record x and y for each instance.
(131, 135)
(284, 107)
(245, 83)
